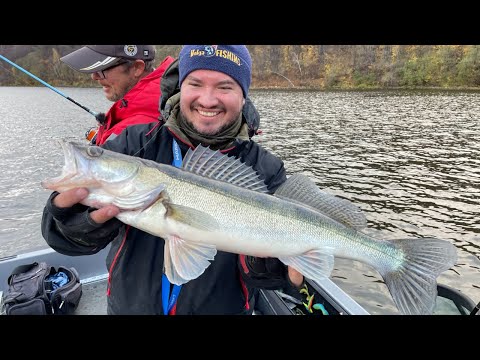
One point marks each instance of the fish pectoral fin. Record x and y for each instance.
(314, 264)
(139, 199)
(185, 261)
(192, 217)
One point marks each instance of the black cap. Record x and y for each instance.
(92, 58)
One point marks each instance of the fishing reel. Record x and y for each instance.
(91, 134)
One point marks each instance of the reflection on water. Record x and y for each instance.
(408, 159)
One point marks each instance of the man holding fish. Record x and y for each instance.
(178, 232)
(214, 82)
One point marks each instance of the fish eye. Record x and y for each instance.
(94, 151)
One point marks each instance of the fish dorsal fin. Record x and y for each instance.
(301, 189)
(215, 165)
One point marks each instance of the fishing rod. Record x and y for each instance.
(100, 117)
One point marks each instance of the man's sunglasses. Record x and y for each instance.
(101, 74)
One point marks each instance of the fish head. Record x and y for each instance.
(91, 167)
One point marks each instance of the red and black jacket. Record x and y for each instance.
(139, 106)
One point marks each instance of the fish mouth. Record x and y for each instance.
(69, 169)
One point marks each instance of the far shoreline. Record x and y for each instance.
(307, 88)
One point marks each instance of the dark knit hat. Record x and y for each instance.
(92, 58)
(233, 60)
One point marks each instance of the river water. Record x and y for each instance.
(409, 160)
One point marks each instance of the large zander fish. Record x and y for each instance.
(215, 202)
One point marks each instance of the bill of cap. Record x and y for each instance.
(88, 61)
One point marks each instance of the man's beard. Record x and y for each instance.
(217, 132)
(219, 138)
(118, 96)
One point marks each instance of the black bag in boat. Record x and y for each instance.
(41, 289)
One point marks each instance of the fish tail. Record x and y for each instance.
(413, 282)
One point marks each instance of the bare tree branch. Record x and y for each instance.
(284, 78)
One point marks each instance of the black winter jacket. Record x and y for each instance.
(135, 260)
